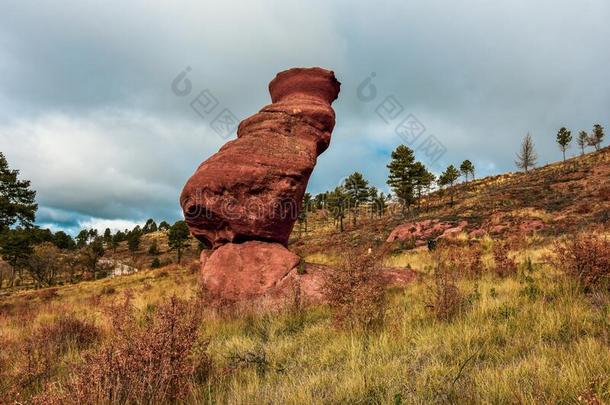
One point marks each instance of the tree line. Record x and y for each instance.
(409, 179)
(527, 156)
(45, 256)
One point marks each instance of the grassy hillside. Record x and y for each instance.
(494, 319)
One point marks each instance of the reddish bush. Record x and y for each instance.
(151, 358)
(356, 292)
(586, 258)
(445, 299)
(41, 350)
(504, 265)
(463, 261)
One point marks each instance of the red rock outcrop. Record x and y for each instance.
(253, 187)
(243, 201)
(421, 231)
(266, 275)
(238, 272)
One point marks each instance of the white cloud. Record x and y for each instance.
(87, 114)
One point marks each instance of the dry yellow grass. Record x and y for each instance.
(529, 338)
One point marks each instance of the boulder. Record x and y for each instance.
(267, 276)
(253, 187)
(247, 271)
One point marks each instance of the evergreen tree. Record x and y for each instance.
(422, 179)
(596, 137)
(178, 237)
(448, 178)
(400, 177)
(63, 241)
(319, 201)
(133, 239)
(17, 201)
(357, 190)
(526, 157)
(82, 238)
(378, 202)
(116, 239)
(107, 235)
(93, 234)
(153, 250)
(582, 141)
(164, 226)
(15, 249)
(467, 168)
(150, 226)
(337, 201)
(564, 137)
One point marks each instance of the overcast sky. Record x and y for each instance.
(88, 114)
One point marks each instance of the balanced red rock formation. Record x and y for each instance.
(253, 187)
(244, 200)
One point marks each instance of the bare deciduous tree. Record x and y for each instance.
(526, 157)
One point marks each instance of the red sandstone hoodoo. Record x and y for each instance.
(252, 189)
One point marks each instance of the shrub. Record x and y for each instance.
(445, 299)
(156, 263)
(504, 265)
(108, 290)
(585, 258)
(151, 358)
(356, 292)
(464, 261)
(41, 350)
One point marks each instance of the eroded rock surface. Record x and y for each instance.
(239, 272)
(253, 187)
(243, 201)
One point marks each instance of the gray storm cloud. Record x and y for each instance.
(87, 112)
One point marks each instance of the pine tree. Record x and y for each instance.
(378, 202)
(596, 137)
(421, 178)
(153, 250)
(133, 240)
(526, 157)
(400, 177)
(564, 137)
(582, 141)
(116, 239)
(82, 238)
(17, 201)
(150, 226)
(63, 241)
(448, 178)
(177, 237)
(467, 168)
(337, 201)
(357, 189)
